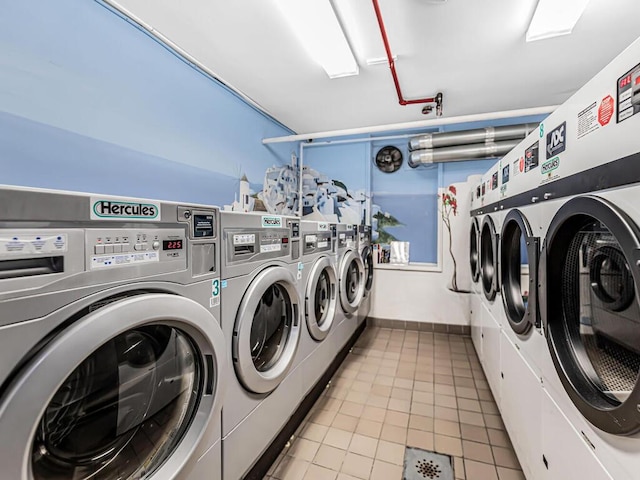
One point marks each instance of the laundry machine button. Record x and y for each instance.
(108, 249)
(98, 249)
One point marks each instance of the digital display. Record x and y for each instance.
(172, 245)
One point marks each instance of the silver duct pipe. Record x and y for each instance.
(466, 137)
(461, 152)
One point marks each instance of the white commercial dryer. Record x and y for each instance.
(590, 267)
(366, 254)
(112, 359)
(474, 267)
(351, 281)
(261, 321)
(319, 292)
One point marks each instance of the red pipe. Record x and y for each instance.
(392, 65)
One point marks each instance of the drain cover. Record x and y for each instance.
(421, 464)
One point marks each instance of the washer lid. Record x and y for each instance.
(592, 311)
(267, 330)
(321, 298)
(519, 253)
(117, 394)
(489, 258)
(351, 281)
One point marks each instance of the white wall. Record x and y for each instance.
(406, 294)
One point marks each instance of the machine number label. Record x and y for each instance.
(215, 293)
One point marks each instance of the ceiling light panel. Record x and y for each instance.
(553, 18)
(316, 26)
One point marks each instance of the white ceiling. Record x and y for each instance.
(474, 51)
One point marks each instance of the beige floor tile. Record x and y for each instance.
(481, 471)
(365, 377)
(418, 422)
(369, 368)
(304, 449)
(391, 433)
(403, 383)
(401, 393)
(357, 465)
(489, 407)
(423, 376)
(357, 397)
(446, 427)
(381, 390)
(329, 457)
(445, 401)
(345, 422)
(373, 413)
(363, 445)
(445, 413)
(475, 433)
(448, 445)
(467, 392)
(359, 386)
(458, 468)
(316, 472)
(484, 395)
(387, 371)
(314, 432)
(352, 409)
(399, 419)
(385, 471)
(369, 428)
(377, 401)
(477, 451)
(338, 438)
(390, 452)
(344, 476)
(423, 409)
(420, 439)
(499, 438)
(464, 383)
(471, 418)
(493, 421)
(509, 474)
(423, 397)
(399, 405)
(329, 404)
(444, 390)
(505, 457)
(385, 380)
(291, 469)
(469, 405)
(323, 417)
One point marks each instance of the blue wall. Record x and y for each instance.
(89, 102)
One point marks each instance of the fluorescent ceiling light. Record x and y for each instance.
(553, 18)
(317, 28)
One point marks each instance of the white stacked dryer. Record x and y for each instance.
(261, 321)
(319, 292)
(366, 254)
(474, 267)
(351, 281)
(113, 362)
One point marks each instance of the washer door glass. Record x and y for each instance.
(322, 298)
(473, 251)
(367, 259)
(352, 281)
(271, 326)
(600, 292)
(122, 411)
(488, 259)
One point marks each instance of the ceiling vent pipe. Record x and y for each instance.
(466, 137)
(461, 152)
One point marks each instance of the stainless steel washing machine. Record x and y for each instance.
(366, 254)
(112, 359)
(262, 324)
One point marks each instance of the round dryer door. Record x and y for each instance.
(321, 298)
(125, 392)
(474, 251)
(351, 281)
(519, 267)
(489, 258)
(267, 330)
(592, 312)
(367, 260)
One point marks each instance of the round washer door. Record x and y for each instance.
(367, 260)
(351, 281)
(489, 258)
(519, 272)
(321, 298)
(592, 311)
(126, 391)
(267, 330)
(474, 250)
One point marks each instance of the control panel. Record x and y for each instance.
(107, 248)
(317, 242)
(347, 237)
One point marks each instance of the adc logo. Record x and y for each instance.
(556, 140)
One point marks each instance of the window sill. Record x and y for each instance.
(412, 267)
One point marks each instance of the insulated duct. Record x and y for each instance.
(466, 137)
(461, 152)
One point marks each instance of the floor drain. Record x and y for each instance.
(424, 465)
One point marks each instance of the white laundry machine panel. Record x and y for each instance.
(113, 362)
(351, 278)
(262, 323)
(319, 292)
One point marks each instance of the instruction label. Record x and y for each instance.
(108, 261)
(629, 94)
(588, 120)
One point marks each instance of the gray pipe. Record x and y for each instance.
(466, 137)
(461, 152)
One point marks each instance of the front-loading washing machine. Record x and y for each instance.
(366, 254)
(113, 362)
(319, 292)
(261, 321)
(474, 267)
(351, 281)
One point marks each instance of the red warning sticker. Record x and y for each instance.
(605, 111)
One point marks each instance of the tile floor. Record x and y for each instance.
(401, 388)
